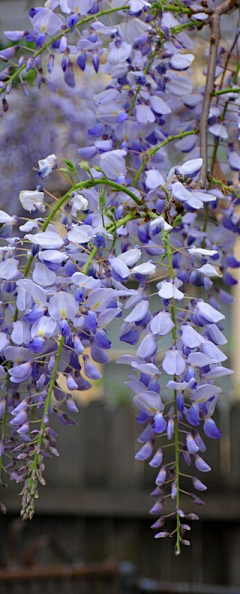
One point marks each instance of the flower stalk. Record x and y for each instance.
(176, 430)
(34, 471)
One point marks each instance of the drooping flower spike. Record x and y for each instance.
(130, 218)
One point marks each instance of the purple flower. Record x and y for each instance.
(161, 477)
(201, 464)
(170, 290)
(160, 424)
(147, 347)
(210, 429)
(198, 484)
(90, 369)
(174, 363)
(145, 451)
(148, 402)
(189, 168)
(157, 459)
(62, 305)
(21, 373)
(161, 324)
(190, 337)
(113, 164)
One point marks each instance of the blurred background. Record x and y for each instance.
(91, 532)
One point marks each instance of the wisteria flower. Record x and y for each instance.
(46, 21)
(170, 289)
(45, 166)
(32, 200)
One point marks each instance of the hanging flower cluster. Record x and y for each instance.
(131, 225)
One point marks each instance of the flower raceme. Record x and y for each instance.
(131, 225)
(75, 287)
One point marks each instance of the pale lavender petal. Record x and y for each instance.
(215, 335)
(162, 323)
(130, 257)
(145, 451)
(154, 179)
(213, 351)
(9, 269)
(181, 61)
(218, 371)
(169, 290)
(161, 477)
(198, 484)
(174, 363)
(201, 464)
(209, 313)
(205, 391)
(138, 313)
(148, 402)
(159, 106)
(148, 368)
(144, 269)
(208, 270)
(219, 130)
(191, 444)
(234, 160)
(147, 347)
(189, 168)
(157, 459)
(119, 267)
(190, 337)
(199, 359)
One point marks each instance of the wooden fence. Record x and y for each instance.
(97, 462)
(96, 502)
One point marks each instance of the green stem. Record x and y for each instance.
(138, 89)
(156, 148)
(110, 228)
(225, 187)
(45, 412)
(87, 19)
(190, 24)
(176, 434)
(89, 184)
(90, 259)
(225, 91)
(172, 8)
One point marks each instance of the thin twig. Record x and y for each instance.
(214, 22)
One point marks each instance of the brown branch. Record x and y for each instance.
(214, 21)
(211, 69)
(227, 6)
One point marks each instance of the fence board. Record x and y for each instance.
(125, 472)
(96, 472)
(235, 445)
(96, 448)
(68, 468)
